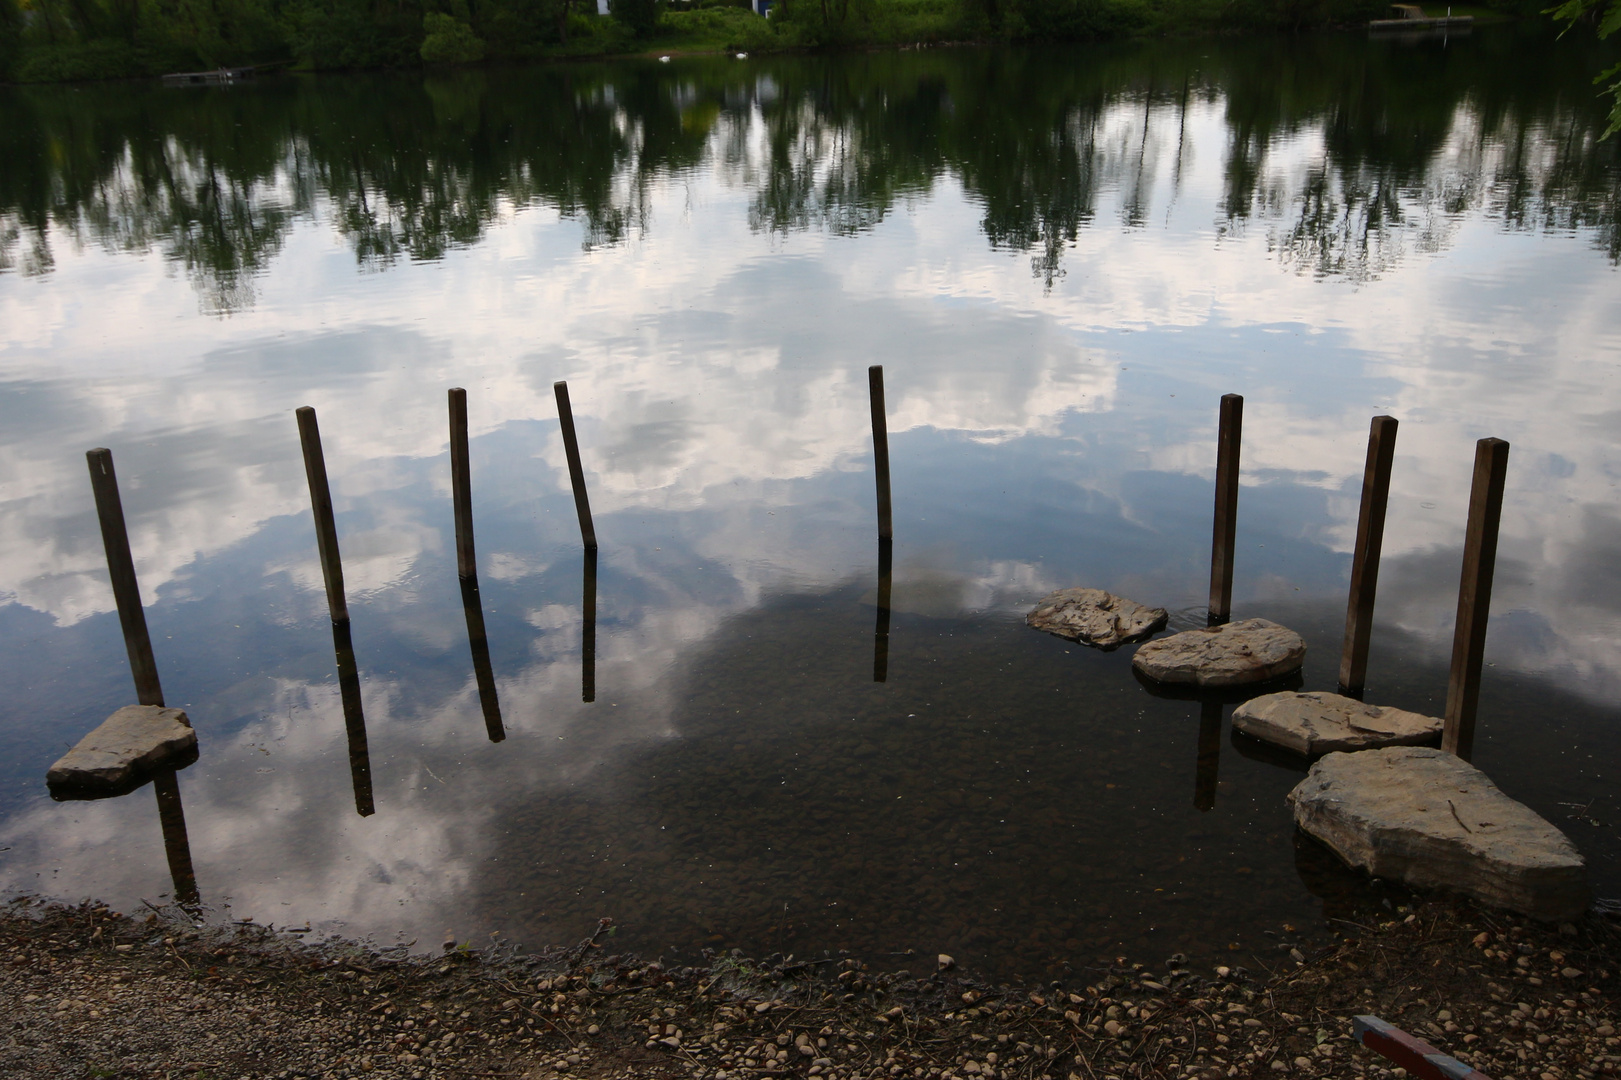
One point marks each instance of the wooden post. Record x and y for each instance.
(483, 673)
(880, 636)
(326, 529)
(176, 844)
(461, 485)
(1475, 596)
(121, 568)
(354, 719)
(880, 449)
(1228, 441)
(1370, 538)
(576, 473)
(1205, 774)
(588, 632)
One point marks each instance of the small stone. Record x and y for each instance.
(1113, 1027)
(1320, 723)
(1431, 820)
(946, 962)
(1094, 617)
(123, 750)
(1234, 654)
(1571, 973)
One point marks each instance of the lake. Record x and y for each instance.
(1062, 258)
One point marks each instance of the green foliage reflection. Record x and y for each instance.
(1405, 138)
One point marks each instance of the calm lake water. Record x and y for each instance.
(1063, 258)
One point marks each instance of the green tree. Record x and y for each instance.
(641, 17)
(1606, 16)
(448, 40)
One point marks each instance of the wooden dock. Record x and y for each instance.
(217, 77)
(1453, 22)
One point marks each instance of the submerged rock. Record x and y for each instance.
(1321, 723)
(1429, 819)
(1094, 617)
(1247, 651)
(130, 745)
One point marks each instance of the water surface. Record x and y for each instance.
(1063, 258)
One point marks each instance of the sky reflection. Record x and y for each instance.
(1059, 295)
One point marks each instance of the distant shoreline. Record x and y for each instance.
(888, 26)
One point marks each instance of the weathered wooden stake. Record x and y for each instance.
(880, 449)
(588, 632)
(1228, 440)
(1475, 596)
(880, 637)
(1204, 781)
(1370, 538)
(176, 844)
(483, 673)
(121, 568)
(354, 719)
(576, 473)
(461, 485)
(326, 528)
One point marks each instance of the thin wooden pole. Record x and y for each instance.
(576, 473)
(483, 673)
(326, 528)
(461, 485)
(880, 636)
(880, 449)
(121, 568)
(1205, 774)
(588, 632)
(1475, 596)
(1228, 441)
(1370, 538)
(176, 844)
(354, 719)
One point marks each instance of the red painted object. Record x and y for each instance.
(1418, 1057)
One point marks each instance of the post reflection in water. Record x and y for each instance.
(880, 635)
(483, 673)
(176, 845)
(588, 631)
(1204, 783)
(354, 719)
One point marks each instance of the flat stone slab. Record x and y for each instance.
(1094, 617)
(1246, 651)
(132, 743)
(1321, 723)
(1422, 816)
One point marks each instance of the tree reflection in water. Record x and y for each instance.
(1351, 154)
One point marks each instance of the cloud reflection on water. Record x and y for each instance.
(1047, 429)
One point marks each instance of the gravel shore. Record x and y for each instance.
(92, 993)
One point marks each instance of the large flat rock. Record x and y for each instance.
(129, 746)
(1427, 818)
(1320, 723)
(1247, 651)
(1094, 617)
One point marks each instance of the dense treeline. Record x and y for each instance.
(410, 167)
(55, 40)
